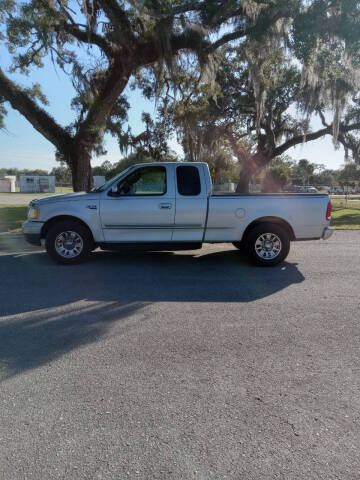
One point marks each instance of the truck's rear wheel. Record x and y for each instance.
(68, 242)
(267, 244)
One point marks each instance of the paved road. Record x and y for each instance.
(192, 365)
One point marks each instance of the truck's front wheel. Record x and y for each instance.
(68, 242)
(267, 244)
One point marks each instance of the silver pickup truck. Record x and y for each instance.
(171, 206)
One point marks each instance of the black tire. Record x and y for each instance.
(69, 226)
(263, 257)
(238, 245)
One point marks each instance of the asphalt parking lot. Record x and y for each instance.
(192, 365)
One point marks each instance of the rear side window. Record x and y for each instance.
(188, 180)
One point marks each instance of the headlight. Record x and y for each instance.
(33, 213)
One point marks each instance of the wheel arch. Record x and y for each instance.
(276, 220)
(60, 218)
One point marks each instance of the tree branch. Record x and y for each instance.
(38, 118)
(65, 12)
(322, 117)
(227, 38)
(191, 39)
(148, 52)
(300, 139)
(189, 7)
(93, 126)
(242, 32)
(118, 18)
(91, 38)
(313, 136)
(239, 151)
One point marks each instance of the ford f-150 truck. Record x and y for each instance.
(171, 206)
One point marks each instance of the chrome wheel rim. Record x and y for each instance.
(69, 244)
(268, 246)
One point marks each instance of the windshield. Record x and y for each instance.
(112, 180)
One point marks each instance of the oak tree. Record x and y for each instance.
(102, 45)
(291, 66)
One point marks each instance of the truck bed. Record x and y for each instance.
(278, 195)
(231, 213)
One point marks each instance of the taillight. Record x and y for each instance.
(328, 211)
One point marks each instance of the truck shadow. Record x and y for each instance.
(47, 310)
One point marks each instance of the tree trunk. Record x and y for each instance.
(244, 181)
(251, 166)
(80, 165)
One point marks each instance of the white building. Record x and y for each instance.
(37, 184)
(7, 183)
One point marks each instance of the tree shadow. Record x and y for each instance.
(47, 310)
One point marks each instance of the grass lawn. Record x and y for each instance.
(345, 219)
(340, 203)
(11, 217)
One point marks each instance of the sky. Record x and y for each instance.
(21, 146)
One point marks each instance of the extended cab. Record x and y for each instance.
(170, 206)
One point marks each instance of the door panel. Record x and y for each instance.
(190, 219)
(137, 216)
(191, 204)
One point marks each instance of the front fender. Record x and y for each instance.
(86, 211)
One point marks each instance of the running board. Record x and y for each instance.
(156, 246)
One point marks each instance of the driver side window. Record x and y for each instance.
(144, 181)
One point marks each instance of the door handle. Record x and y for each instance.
(165, 206)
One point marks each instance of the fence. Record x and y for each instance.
(345, 201)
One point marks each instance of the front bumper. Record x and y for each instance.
(328, 231)
(32, 231)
